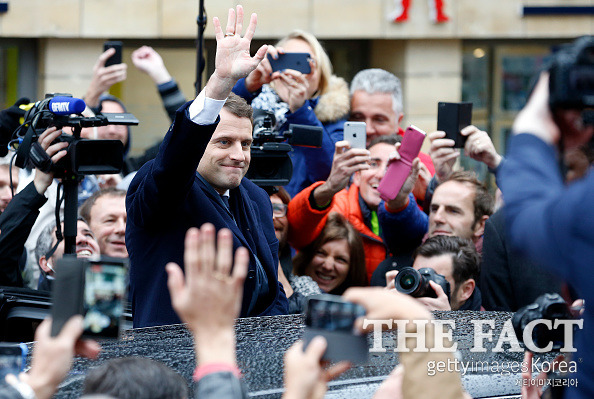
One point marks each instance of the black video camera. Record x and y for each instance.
(546, 307)
(271, 164)
(84, 157)
(571, 81)
(416, 282)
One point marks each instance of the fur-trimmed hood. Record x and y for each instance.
(335, 103)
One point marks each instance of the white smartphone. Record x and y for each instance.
(356, 134)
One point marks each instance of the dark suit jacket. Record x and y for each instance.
(166, 198)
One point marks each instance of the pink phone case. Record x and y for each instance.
(399, 170)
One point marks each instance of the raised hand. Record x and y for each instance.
(401, 199)
(104, 77)
(147, 60)
(443, 154)
(233, 60)
(263, 73)
(480, 147)
(293, 88)
(346, 162)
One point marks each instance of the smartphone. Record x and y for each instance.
(399, 170)
(296, 61)
(356, 134)
(452, 118)
(95, 289)
(13, 358)
(333, 318)
(117, 57)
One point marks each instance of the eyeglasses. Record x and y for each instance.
(279, 210)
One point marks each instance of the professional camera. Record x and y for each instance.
(271, 164)
(416, 282)
(84, 157)
(547, 307)
(571, 82)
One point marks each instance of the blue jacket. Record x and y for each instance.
(552, 224)
(403, 231)
(309, 164)
(166, 198)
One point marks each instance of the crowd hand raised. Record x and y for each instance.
(346, 161)
(293, 88)
(305, 377)
(382, 304)
(233, 60)
(480, 147)
(104, 77)
(147, 60)
(55, 151)
(52, 356)
(443, 154)
(263, 73)
(440, 303)
(401, 198)
(211, 281)
(420, 188)
(391, 388)
(533, 388)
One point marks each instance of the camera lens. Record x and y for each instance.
(407, 282)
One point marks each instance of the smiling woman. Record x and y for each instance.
(335, 259)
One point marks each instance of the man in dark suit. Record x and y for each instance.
(198, 177)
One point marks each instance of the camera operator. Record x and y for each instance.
(21, 213)
(456, 259)
(548, 221)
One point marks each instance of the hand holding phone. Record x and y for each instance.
(334, 318)
(452, 118)
(13, 358)
(399, 169)
(296, 61)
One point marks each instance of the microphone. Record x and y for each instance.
(66, 105)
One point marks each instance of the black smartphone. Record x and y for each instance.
(296, 61)
(13, 358)
(95, 289)
(333, 318)
(117, 57)
(452, 118)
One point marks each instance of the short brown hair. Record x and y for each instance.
(465, 258)
(85, 208)
(483, 201)
(336, 228)
(239, 107)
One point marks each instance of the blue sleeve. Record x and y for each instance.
(244, 93)
(403, 231)
(547, 221)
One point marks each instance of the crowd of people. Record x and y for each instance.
(327, 231)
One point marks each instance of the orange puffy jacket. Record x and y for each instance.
(306, 223)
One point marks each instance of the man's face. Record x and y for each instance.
(281, 223)
(112, 132)
(442, 264)
(86, 245)
(5, 193)
(452, 211)
(108, 222)
(227, 156)
(369, 179)
(376, 111)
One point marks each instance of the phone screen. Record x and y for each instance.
(12, 359)
(104, 294)
(332, 315)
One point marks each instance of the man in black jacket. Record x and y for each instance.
(198, 177)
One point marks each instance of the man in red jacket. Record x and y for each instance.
(309, 209)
